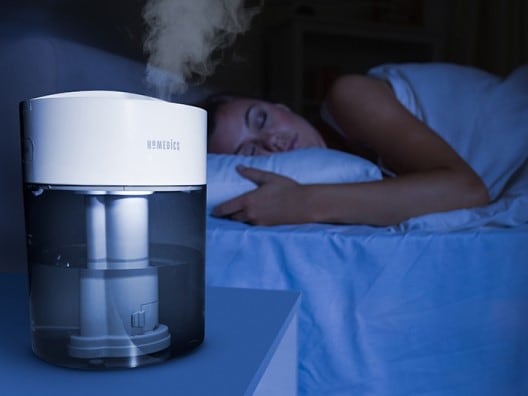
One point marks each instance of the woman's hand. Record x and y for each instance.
(276, 200)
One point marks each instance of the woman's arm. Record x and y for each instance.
(431, 177)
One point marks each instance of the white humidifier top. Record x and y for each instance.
(108, 138)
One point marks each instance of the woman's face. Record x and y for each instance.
(254, 127)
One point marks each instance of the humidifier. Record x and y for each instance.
(114, 199)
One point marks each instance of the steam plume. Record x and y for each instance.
(182, 36)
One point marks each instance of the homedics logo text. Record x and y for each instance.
(163, 145)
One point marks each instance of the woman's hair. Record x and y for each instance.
(212, 104)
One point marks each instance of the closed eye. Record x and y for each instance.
(261, 118)
(256, 117)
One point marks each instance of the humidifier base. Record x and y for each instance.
(83, 347)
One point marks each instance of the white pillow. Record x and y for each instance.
(307, 166)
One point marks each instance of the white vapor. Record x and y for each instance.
(182, 36)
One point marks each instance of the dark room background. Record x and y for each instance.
(337, 35)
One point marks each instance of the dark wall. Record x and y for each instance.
(115, 25)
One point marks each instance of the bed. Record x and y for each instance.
(436, 305)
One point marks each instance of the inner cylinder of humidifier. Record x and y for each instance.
(114, 201)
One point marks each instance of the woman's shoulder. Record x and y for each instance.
(357, 95)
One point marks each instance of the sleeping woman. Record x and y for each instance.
(417, 121)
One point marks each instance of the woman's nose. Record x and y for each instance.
(275, 142)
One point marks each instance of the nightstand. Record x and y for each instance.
(250, 348)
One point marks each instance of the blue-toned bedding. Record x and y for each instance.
(391, 312)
